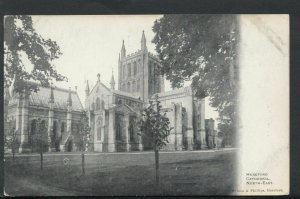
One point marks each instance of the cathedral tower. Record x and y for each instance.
(139, 72)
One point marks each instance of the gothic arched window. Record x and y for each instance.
(33, 127)
(97, 104)
(102, 104)
(33, 130)
(62, 128)
(128, 87)
(55, 138)
(43, 130)
(133, 87)
(131, 130)
(134, 68)
(99, 126)
(129, 70)
(118, 127)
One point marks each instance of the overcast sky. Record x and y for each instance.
(91, 45)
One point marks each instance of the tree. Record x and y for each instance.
(155, 127)
(11, 141)
(21, 41)
(83, 137)
(40, 139)
(202, 49)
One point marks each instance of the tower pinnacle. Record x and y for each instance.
(112, 81)
(123, 50)
(143, 41)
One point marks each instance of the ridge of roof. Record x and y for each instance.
(63, 89)
(55, 87)
(173, 92)
(126, 94)
(41, 97)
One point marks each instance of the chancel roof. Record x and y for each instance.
(41, 98)
(126, 94)
(184, 90)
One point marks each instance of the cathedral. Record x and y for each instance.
(113, 111)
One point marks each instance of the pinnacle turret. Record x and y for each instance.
(112, 81)
(123, 51)
(143, 42)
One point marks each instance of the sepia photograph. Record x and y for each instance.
(146, 105)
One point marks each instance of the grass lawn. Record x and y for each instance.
(181, 173)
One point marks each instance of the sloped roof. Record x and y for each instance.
(126, 94)
(41, 98)
(171, 92)
(124, 107)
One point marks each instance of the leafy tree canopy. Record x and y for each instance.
(21, 39)
(201, 49)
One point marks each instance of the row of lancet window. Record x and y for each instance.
(99, 104)
(130, 70)
(153, 68)
(132, 86)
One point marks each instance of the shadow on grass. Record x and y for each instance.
(190, 177)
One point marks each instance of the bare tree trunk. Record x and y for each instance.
(82, 158)
(41, 154)
(13, 153)
(157, 167)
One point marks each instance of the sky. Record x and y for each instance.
(91, 45)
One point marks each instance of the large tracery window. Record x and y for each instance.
(118, 126)
(99, 126)
(131, 129)
(33, 130)
(97, 104)
(62, 128)
(102, 104)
